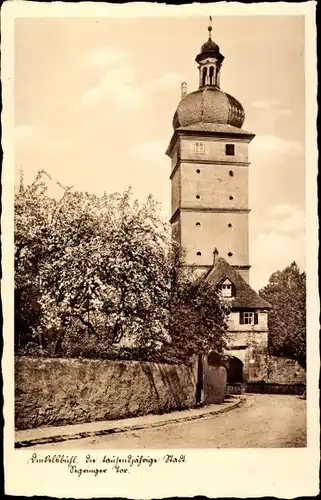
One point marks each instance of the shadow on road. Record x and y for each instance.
(229, 398)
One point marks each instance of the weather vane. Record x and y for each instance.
(209, 26)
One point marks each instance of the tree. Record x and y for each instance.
(92, 271)
(286, 292)
(197, 312)
(90, 261)
(32, 209)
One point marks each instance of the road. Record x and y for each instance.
(264, 421)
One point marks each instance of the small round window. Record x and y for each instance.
(199, 253)
(197, 224)
(231, 197)
(198, 171)
(230, 254)
(229, 225)
(197, 196)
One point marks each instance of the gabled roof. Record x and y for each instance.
(245, 296)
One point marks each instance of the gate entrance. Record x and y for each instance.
(235, 371)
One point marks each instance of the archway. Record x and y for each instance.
(235, 371)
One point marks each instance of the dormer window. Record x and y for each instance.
(199, 147)
(226, 288)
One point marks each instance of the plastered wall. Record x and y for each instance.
(69, 391)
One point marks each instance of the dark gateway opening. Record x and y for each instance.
(234, 371)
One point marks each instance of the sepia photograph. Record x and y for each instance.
(120, 299)
(160, 233)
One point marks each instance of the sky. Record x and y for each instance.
(95, 97)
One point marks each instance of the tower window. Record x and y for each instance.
(199, 253)
(197, 224)
(230, 225)
(198, 171)
(199, 147)
(231, 173)
(230, 149)
(248, 318)
(231, 197)
(204, 76)
(197, 196)
(211, 74)
(230, 254)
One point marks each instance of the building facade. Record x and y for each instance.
(210, 201)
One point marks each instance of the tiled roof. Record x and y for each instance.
(245, 296)
(209, 104)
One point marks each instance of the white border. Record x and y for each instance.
(285, 473)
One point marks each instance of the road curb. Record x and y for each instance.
(116, 430)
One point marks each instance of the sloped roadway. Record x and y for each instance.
(264, 421)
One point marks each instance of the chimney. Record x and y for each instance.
(215, 254)
(183, 90)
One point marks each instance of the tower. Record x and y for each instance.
(209, 174)
(210, 208)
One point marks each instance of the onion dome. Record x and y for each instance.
(209, 49)
(209, 105)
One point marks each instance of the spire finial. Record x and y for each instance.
(209, 27)
(21, 183)
(215, 254)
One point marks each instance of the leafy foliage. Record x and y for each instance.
(286, 292)
(94, 272)
(198, 314)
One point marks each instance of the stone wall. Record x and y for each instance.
(258, 366)
(251, 348)
(273, 370)
(274, 375)
(247, 338)
(284, 371)
(69, 391)
(214, 382)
